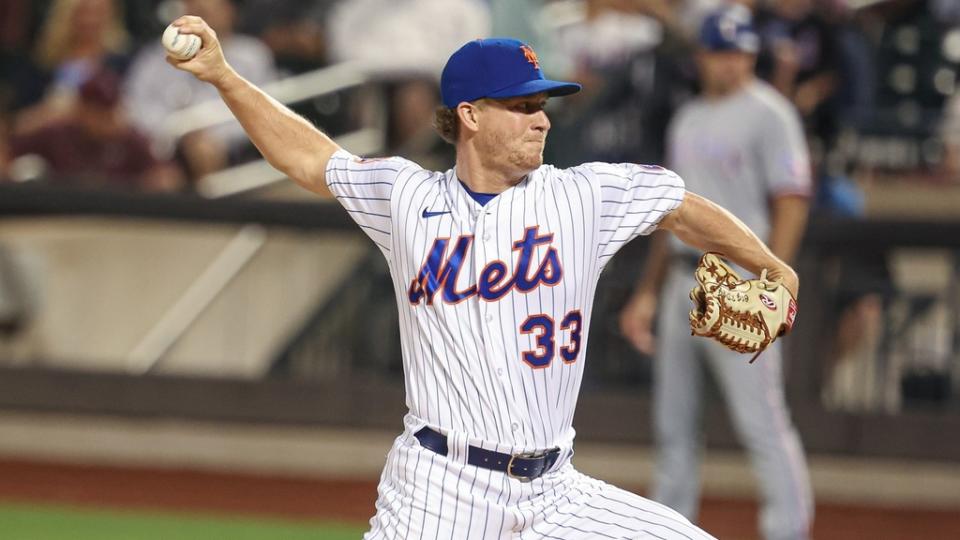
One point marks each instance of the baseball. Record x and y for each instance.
(180, 46)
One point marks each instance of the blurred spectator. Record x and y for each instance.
(144, 20)
(856, 65)
(606, 39)
(77, 38)
(18, 25)
(154, 90)
(15, 27)
(411, 128)
(294, 31)
(862, 290)
(94, 145)
(631, 86)
(837, 192)
(405, 44)
(800, 58)
(403, 37)
(532, 22)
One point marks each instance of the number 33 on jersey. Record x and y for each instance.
(441, 269)
(498, 296)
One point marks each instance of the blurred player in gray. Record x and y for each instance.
(740, 143)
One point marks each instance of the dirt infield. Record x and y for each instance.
(352, 501)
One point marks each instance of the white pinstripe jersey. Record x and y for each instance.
(495, 300)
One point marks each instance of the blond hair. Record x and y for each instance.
(56, 40)
(447, 124)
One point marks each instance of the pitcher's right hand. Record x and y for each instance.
(209, 64)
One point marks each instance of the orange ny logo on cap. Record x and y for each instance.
(530, 56)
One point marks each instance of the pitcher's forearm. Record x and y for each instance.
(703, 224)
(286, 140)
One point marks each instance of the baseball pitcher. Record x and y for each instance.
(495, 264)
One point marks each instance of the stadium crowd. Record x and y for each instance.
(874, 81)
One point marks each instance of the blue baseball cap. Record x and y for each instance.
(730, 29)
(496, 68)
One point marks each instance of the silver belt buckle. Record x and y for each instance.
(524, 455)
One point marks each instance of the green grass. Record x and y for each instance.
(22, 522)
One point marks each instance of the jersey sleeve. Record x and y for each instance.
(364, 187)
(633, 199)
(784, 155)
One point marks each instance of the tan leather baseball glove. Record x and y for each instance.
(746, 315)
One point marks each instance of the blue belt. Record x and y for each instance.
(524, 467)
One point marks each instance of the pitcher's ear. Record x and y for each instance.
(468, 112)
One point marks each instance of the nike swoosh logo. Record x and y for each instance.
(429, 214)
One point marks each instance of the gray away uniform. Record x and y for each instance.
(738, 151)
